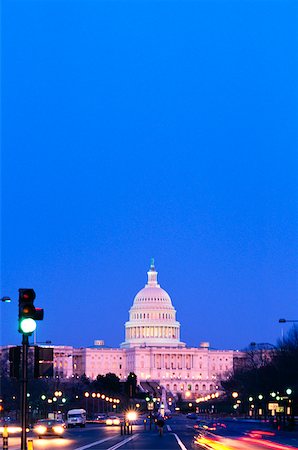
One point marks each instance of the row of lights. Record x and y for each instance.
(102, 397)
(260, 396)
(207, 397)
(53, 399)
(57, 395)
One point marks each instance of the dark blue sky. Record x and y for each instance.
(133, 129)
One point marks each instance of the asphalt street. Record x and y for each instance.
(179, 434)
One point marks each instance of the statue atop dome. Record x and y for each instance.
(152, 267)
(152, 276)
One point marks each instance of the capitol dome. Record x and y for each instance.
(152, 317)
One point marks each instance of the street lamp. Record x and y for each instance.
(286, 320)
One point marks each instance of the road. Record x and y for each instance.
(178, 435)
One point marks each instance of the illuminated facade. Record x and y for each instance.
(152, 350)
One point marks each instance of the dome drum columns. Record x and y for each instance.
(164, 332)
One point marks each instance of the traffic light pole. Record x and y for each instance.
(24, 380)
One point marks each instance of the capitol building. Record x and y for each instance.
(152, 350)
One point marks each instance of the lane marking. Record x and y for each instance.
(182, 446)
(123, 442)
(169, 428)
(95, 443)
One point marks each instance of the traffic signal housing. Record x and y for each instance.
(28, 313)
(14, 362)
(43, 362)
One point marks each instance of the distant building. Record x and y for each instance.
(152, 350)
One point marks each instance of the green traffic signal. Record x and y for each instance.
(27, 325)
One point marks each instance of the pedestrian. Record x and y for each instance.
(160, 424)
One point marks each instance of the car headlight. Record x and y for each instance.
(109, 422)
(131, 416)
(116, 422)
(40, 429)
(11, 429)
(58, 429)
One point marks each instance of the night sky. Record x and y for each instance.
(139, 129)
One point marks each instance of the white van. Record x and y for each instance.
(76, 417)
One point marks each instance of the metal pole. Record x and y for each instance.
(25, 344)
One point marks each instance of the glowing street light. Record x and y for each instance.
(131, 416)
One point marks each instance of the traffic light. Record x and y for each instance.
(43, 362)
(14, 362)
(28, 314)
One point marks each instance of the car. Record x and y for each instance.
(11, 427)
(76, 418)
(113, 420)
(49, 427)
(101, 418)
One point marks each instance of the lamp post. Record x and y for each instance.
(86, 397)
(285, 321)
(261, 407)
